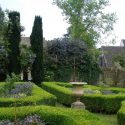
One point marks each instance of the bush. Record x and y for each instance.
(53, 115)
(38, 97)
(109, 104)
(121, 114)
(63, 94)
(10, 81)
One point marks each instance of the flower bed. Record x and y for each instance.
(38, 97)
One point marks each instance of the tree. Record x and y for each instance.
(3, 45)
(36, 40)
(13, 37)
(67, 59)
(2, 19)
(120, 58)
(87, 20)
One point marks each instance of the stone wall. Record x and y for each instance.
(113, 75)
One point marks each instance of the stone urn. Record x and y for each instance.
(78, 92)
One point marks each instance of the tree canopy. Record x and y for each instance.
(87, 19)
(67, 60)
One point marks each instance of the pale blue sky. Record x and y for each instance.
(54, 24)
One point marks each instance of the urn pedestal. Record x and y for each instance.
(78, 92)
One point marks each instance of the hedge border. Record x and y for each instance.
(53, 115)
(109, 104)
(38, 97)
(121, 114)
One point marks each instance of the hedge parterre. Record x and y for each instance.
(38, 97)
(109, 104)
(121, 114)
(52, 115)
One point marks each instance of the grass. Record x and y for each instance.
(108, 119)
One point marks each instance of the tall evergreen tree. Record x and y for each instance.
(14, 38)
(36, 40)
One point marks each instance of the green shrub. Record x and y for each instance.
(63, 94)
(94, 102)
(38, 97)
(10, 81)
(121, 114)
(53, 115)
(109, 104)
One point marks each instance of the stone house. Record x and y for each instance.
(107, 64)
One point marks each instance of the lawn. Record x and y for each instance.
(108, 119)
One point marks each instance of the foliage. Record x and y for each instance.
(120, 59)
(36, 40)
(3, 62)
(26, 60)
(3, 45)
(121, 114)
(13, 37)
(10, 81)
(87, 20)
(2, 17)
(54, 115)
(66, 58)
(11, 89)
(64, 95)
(26, 56)
(3, 24)
(109, 104)
(38, 97)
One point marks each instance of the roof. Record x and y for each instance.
(109, 52)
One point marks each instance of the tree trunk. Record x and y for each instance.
(25, 74)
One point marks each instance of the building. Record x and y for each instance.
(26, 41)
(109, 53)
(106, 61)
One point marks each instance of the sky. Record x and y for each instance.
(54, 24)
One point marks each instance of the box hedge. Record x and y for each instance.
(94, 102)
(38, 97)
(52, 115)
(121, 114)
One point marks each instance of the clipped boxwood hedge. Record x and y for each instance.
(63, 94)
(121, 114)
(97, 103)
(38, 97)
(52, 115)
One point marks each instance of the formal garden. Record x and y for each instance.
(59, 84)
(25, 103)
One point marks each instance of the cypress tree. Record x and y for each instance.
(36, 40)
(14, 38)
